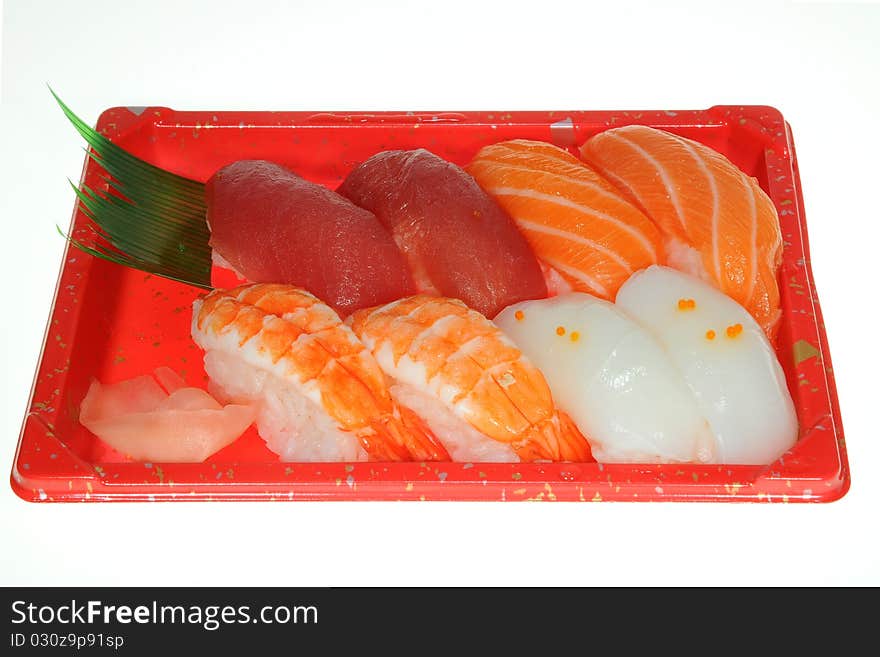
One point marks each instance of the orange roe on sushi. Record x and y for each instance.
(560, 330)
(520, 315)
(686, 304)
(735, 330)
(710, 334)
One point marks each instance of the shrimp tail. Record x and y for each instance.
(423, 444)
(402, 437)
(575, 446)
(556, 438)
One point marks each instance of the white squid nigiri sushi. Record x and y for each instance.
(724, 357)
(321, 394)
(613, 378)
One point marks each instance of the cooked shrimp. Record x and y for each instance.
(438, 349)
(324, 395)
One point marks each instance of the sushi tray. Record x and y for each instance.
(488, 306)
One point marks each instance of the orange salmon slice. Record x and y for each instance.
(717, 222)
(576, 222)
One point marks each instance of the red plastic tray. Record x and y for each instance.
(114, 323)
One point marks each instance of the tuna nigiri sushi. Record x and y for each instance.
(322, 395)
(458, 242)
(271, 226)
(719, 224)
(478, 393)
(576, 222)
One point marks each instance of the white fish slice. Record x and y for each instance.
(613, 378)
(725, 359)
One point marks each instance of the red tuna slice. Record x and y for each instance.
(272, 226)
(177, 424)
(452, 233)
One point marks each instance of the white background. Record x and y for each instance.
(817, 63)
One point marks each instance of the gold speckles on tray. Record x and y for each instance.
(802, 350)
(732, 489)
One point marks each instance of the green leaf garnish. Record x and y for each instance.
(147, 218)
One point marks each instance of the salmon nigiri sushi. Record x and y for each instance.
(576, 222)
(718, 223)
(478, 393)
(321, 394)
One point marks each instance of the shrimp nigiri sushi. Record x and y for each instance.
(479, 395)
(321, 394)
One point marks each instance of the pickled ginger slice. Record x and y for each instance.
(174, 424)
